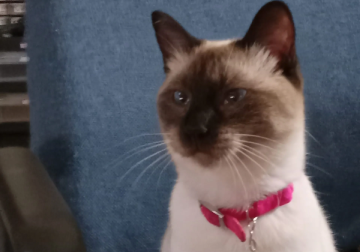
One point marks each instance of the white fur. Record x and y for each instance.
(299, 226)
(217, 43)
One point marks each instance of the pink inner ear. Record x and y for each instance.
(280, 45)
(273, 28)
(281, 41)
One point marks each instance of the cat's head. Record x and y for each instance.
(230, 98)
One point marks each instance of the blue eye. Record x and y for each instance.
(181, 98)
(234, 96)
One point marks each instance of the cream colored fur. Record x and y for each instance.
(299, 226)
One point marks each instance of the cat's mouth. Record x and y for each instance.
(203, 151)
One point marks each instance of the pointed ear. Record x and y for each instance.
(273, 27)
(171, 36)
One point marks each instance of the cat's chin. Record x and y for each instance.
(203, 159)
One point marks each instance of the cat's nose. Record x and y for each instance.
(199, 129)
(200, 124)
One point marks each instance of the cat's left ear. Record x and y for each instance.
(273, 27)
(171, 36)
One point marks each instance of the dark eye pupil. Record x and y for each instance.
(180, 97)
(234, 95)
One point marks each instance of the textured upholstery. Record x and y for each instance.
(94, 72)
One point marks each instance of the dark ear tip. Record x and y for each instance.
(276, 10)
(157, 16)
(276, 5)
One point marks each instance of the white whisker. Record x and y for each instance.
(232, 172)
(135, 151)
(162, 171)
(163, 157)
(320, 169)
(259, 144)
(261, 137)
(251, 150)
(313, 155)
(255, 150)
(313, 138)
(139, 163)
(244, 165)
(137, 136)
(241, 180)
(260, 166)
(156, 168)
(145, 134)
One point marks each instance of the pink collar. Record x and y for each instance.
(231, 217)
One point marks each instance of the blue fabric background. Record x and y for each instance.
(94, 72)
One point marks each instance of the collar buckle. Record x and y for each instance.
(215, 211)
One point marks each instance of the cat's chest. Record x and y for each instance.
(193, 233)
(279, 231)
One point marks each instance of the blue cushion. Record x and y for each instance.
(93, 75)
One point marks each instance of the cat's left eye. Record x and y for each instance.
(181, 97)
(234, 95)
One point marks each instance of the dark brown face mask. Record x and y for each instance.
(206, 99)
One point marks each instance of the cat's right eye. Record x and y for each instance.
(234, 96)
(181, 98)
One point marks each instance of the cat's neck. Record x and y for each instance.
(224, 187)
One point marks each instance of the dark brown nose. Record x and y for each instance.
(198, 123)
(200, 127)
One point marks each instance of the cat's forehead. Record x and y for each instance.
(224, 62)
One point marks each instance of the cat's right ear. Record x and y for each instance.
(171, 36)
